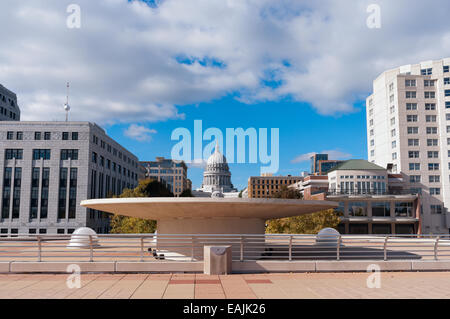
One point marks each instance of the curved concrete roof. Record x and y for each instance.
(160, 208)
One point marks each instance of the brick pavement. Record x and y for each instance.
(398, 285)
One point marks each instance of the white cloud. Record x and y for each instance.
(139, 133)
(332, 155)
(198, 163)
(124, 62)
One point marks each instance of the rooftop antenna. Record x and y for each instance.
(66, 105)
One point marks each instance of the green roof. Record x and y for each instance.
(357, 165)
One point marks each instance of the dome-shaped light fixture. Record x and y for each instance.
(81, 238)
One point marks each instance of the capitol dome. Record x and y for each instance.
(216, 158)
(217, 176)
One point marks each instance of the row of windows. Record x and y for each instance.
(427, 94)
(40, 181)
(41, 135)
(431, 178)
(10, 101)
(113, 166)
(413, 83)
(41, 154)
(12, 115)
(114, 151)
(416, 166)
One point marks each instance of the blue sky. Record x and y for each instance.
(302, 130)
(141, 69)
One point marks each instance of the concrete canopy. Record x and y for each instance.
(159, 208)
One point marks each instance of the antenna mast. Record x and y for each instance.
(66, 106)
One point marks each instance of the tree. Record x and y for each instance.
(288, 193)
(186, 193)
(305, 224)
(131, 225)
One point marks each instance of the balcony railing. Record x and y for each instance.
(245, 247)
(377, 192)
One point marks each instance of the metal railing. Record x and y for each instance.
(245, 247)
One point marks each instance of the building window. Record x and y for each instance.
(414, 178)
(447, 104)
(413, 154)
(75, 136)
(94, 157)
(37, 136)
(430, 106)
(447, 92)
(394, 144)
(411, 94)
(73, 193)
(13, 153)
(413, 130)
(431, 130)
(66, 154)
(47, 136)
(393, 133)
(404, 210)
(446, 81)
(432, 118)
(433, 166)
(430, 95)
(428, 71)
(432, 142)
(394, 156)
(35, 177)
(446, 68)
(10, 135)
(433, 154)
(434, 178)
(357, 209)
(411, 106)
(41, 154)
(6, 194)
(19, 136)
(428, 83)
(44, 192)
(411, 118)
(413, 142)
(62, 193)
(16, 194)
(435, 191)
(65, 136)
(414, 166)
(409, 83)
(436, 209)
(381, 209)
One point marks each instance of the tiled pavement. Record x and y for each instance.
(259, 286)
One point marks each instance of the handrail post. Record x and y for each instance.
(290, 248)
(142, 248)
(192, 248)
(385, 248)
(242, 249)
(91, 249)
(338, 248)
(436, 243)
(39, 248)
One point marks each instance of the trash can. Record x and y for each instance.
(217, 260)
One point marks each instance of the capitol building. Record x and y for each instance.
(216, 177)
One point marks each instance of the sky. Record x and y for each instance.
(142, 69)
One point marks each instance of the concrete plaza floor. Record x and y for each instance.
(396, 285)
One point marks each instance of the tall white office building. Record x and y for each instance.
(408, 127)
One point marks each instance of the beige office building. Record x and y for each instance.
(170, 172)
(267, 185)
(408, 126)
